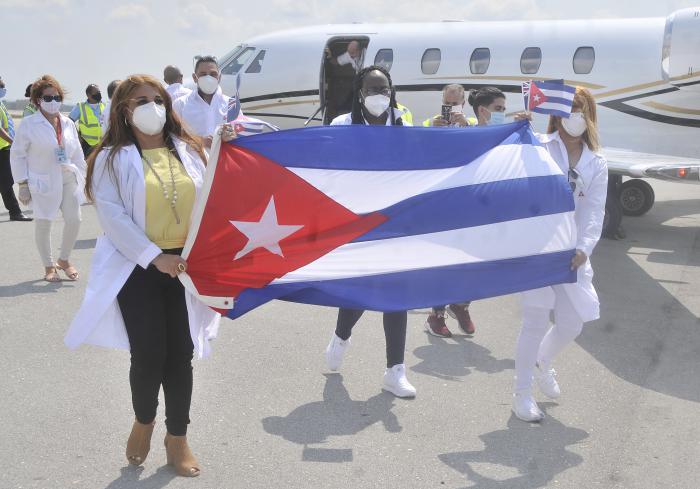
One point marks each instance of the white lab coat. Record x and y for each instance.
(33, 158)
(589, 198)
(177, 90)
(121, 209)
(202, 118)
(346, 119)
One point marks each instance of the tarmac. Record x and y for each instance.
(267, 414)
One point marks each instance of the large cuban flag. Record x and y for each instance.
(379, 217)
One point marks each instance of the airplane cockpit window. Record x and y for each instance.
(256, 64)
(430, 62)
(530, 61)
(384, 58)
(584, 58)
(480, 60)
(237, 62)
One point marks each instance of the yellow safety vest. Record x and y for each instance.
(89, 124)
(471, 121)
(29, 109)
(4, 123)
(407, 116)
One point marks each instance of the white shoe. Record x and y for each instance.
(335, 351)
(546, 381)
(525, 407)
(395, 381)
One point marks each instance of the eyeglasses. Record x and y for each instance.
(573, 177)
(377, 91)
(49, 98)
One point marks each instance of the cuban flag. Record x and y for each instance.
(549, 97)
(379, 217)
(242, 124)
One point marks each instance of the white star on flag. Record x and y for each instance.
(537, 98)
(266, 233)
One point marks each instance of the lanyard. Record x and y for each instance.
(59, 134)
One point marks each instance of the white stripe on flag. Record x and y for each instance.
(511, 239)
(558, 93)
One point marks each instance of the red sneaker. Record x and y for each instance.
(461, 314)
(435, 325)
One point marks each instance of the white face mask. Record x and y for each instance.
(149, 118)
(575, 125)
(377, 104)
(50, 107)
(207, 84)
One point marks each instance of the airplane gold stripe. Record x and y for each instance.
(633, 88)
(671, 108)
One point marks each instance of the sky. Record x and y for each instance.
(95, 41)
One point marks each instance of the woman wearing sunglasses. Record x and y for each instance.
(572, 143)
(48, 165)
(144, 177)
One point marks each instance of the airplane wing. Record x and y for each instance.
(646, 165)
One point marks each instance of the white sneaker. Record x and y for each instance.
(525, 407)
(546, 381)
(335, 351)
(395, 381)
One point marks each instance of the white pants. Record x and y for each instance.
(70, 209)
(538, 343)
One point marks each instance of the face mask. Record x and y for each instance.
(149, 118)
(575, 125)
(497, 118)
(97, 97)
(377, 104)
(207, 84)
(50, 107)
(3, 92)
(457, 109)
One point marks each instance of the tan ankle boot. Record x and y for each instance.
(139, 443)
(180, 456)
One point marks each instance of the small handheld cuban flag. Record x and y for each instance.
(549, 97)
(244, 125)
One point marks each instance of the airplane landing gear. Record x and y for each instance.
(612, 222)
(636, 197)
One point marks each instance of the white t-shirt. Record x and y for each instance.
(201, 117)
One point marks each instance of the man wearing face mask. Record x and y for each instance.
(489, 104)
(87, 116)
(353, 56)
(7, 133)
(452, 96)
(204, 109)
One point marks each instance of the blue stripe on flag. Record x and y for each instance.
(556, 112)
(482, 204)
(549, 85)
(420, 288)
(393, 148)
(558, 100)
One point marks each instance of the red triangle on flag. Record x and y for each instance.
(537, 98)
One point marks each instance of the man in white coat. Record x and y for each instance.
(173, 78)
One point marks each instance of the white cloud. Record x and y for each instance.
(131, 12)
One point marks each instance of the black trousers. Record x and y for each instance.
(394, 331)
(6, 183)
(155, 314)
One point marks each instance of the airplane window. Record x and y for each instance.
(480, 60)
(584, 58)
(384, 58)
(256, 64)
(430, 62)
(235, 65)
(530, 61)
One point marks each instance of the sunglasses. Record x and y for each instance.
(573, 177)
(49, 98)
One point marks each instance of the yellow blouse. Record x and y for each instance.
(161, 223)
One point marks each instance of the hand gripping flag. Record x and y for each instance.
(382, 218)
(244, 125)
(548, 97)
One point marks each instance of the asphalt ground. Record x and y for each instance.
(267, 414)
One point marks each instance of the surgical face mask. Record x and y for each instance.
(207, 84)
(575, 125)
(149, 118)
(50, 107)
(376, 104)
(497, 118)
(3, 92)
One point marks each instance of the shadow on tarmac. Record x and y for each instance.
(336, 415)
(130, 478)
(646, 336)
(38, 286)
(449, 359)
(536, 451)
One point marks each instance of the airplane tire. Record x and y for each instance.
(636, 197)
(612, 219)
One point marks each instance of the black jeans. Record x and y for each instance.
(6, 183)
(155, 314)
(394, 331)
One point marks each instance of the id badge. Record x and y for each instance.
(61, 158)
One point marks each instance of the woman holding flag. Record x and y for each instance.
(144, 177)
(374, 103)
(572, 143)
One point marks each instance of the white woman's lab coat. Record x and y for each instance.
(33, 158)
(121, 209)
(589, 197)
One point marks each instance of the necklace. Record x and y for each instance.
(173, 200)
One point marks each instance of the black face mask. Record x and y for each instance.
(97, 97)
